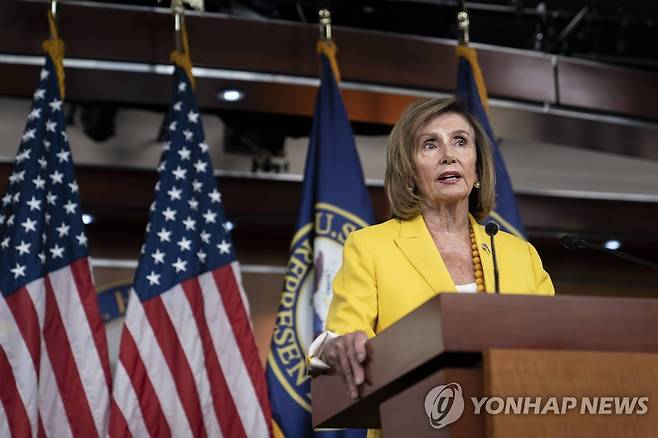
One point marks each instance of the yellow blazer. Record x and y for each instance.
(391, 268)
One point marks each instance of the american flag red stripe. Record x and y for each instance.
(41, 431)
(15, 414)
(201, 304)
(119, 425)
(18, 316)
(171, 348)
(234, 302)
(51, 404)
(158, 377)
(154, 419)
(84, 282)
(26, 319)
(65, 368)
(239, 359)
(45, 314)
(225, 408)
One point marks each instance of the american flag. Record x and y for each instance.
(188, 362)
(54, 368)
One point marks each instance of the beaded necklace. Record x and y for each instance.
(477, 265)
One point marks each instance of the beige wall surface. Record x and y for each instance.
(534, 166)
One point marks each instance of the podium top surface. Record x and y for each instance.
(454, 325)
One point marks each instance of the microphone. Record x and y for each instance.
(491, 229)
(573, 242)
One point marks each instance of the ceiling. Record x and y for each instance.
(622, 33)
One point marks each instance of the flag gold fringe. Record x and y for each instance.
(182, 59)
(329, 48)
(54, 47)
(470, 55)
(276, 430)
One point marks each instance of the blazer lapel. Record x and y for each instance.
(416, 243)
(483, 243)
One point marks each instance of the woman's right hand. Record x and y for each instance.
(347, 354)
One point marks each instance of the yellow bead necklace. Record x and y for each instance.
(477, 265)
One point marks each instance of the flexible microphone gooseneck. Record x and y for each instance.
(491, 229)
(573, 242)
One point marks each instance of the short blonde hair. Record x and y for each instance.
(404, 200)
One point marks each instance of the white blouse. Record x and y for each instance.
(468, 287)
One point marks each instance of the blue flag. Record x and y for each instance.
(335, 202)
(471, 90)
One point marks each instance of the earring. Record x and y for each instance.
(477, 184)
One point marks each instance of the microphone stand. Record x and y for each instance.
(491, 229)
(574, 242)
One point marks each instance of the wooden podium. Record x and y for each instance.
(593, 348)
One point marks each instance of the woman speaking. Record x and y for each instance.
(440, 180)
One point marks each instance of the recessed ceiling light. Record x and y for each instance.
(612, 244)
(230, 95)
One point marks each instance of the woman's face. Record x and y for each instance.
(445, 158)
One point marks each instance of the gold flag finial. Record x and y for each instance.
(463, 25)
(326, 44)
(325, 24)
(181, 55)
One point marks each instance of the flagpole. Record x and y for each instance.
(181, 54)
(326, 43)
(53, 12)
(463, 26)
(178, 10)
(325, 25)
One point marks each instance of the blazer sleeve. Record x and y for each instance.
(543, 283)
(354, 304)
